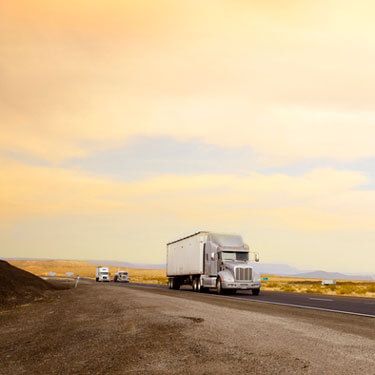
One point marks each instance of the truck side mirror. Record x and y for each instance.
(212, 256)
(256, 257)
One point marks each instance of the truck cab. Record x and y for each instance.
(102, 274)
(228, 265)
(121, 277)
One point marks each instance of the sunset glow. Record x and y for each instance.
(125, 124)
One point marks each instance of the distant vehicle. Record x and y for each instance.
(328, 282)
(121, 277)
(211, 260)
(102, 273)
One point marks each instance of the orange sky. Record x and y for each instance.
(289, 82)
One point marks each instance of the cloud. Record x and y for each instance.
(319, 218)
(318, 200)
(292, 82)
(291, 85)
(27, 191)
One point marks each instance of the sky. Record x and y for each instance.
(128, 124)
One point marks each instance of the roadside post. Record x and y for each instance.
(77, 281)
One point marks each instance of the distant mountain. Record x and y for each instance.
(332, 275)
(275, 269)
(116, 263)
(286, 270)
(263, 268)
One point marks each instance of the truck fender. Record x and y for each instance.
(225, 276)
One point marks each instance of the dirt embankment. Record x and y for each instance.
(19, 286)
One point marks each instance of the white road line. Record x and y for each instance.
(321, 299)
(301, 306)
(283, 304)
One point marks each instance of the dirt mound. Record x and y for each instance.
(19, 286)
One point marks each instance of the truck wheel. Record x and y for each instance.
(255, 292)
(199, 285)
(195, 285)
(219, 288)
(97, 279)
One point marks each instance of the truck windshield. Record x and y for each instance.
(103, 273)
(232, 255)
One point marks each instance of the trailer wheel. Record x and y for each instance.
(219, 288)
(175, 284)
(170, 283)
(255, 292)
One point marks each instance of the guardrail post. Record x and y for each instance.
(77, 280)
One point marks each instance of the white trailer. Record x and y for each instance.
(102, 274)
(211, 260)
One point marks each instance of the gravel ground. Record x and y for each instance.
(100, 328)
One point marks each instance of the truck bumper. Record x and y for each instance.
(241, 285)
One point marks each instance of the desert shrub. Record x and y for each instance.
(288, 288)
(310, 290)
(346, 289)
(370, 288)
(360, 290)
(332, 288)
(270, 284)
(315, 289)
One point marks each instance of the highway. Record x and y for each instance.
(338, 304)
(136, 329)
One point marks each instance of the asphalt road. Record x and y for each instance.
(339, 304)
(114, 328)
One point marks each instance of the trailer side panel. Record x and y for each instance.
(185, 257)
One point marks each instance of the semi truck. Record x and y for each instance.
(121, 277)
(102, 274)
(207, 260)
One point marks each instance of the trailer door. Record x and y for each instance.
(210, 260)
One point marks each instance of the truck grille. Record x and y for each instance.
(243, 274)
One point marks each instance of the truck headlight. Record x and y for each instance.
(256, 277)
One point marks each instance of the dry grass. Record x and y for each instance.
(150, 276)
(85, 269)
(299, 285)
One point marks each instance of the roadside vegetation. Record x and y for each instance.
(298, 285)
(85, 269)
(158, 276)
